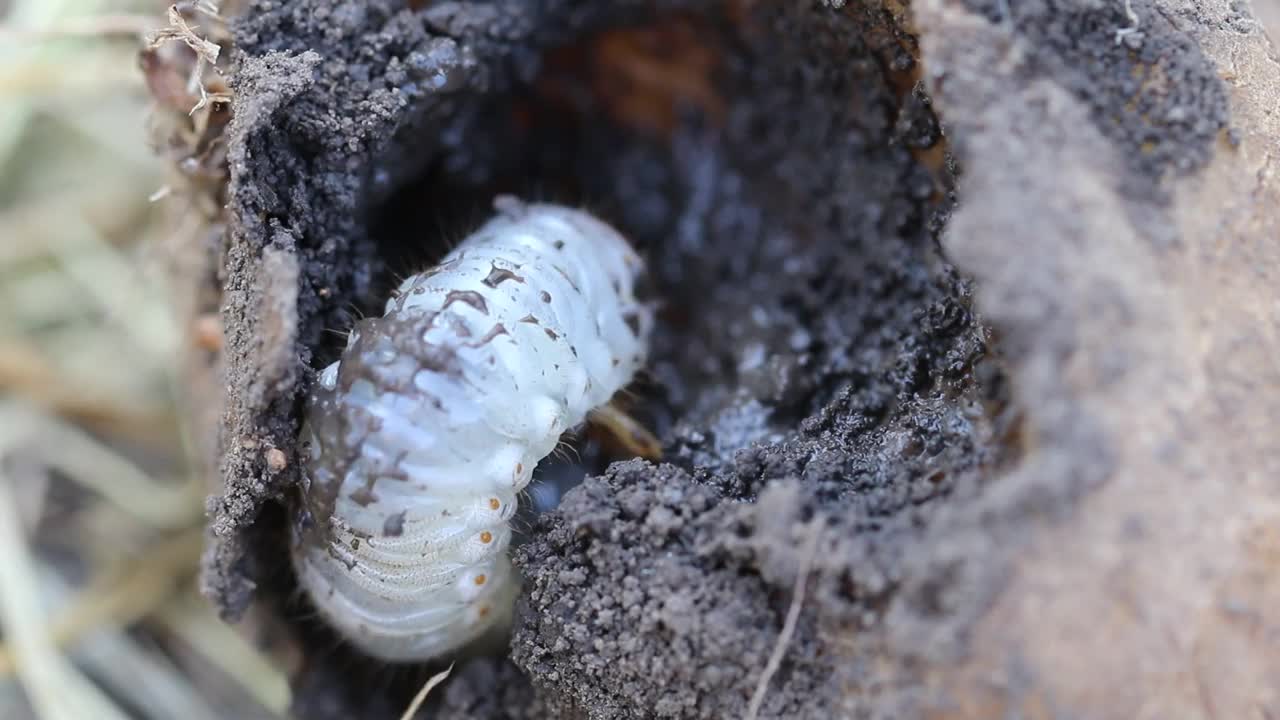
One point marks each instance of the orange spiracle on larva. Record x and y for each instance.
(421, 436)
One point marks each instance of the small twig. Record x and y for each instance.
(789, 625)
(421, 697)
(206, 50)
(1134, 23)
(207, 97)
(179, 30)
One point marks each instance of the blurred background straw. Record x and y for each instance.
(101, 502)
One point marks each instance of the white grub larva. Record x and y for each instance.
(422, 435)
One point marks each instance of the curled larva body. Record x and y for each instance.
(422, 435)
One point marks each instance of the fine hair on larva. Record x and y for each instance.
(421, 437)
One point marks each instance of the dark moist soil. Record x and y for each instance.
(818, 362)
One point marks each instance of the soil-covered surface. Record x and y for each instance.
(833, 393)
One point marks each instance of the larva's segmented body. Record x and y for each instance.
(422, 435)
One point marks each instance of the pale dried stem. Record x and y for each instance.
(789, 625)
(421, 697)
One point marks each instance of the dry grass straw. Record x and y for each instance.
(101, 514)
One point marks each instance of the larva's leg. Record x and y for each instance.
(620, 431)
